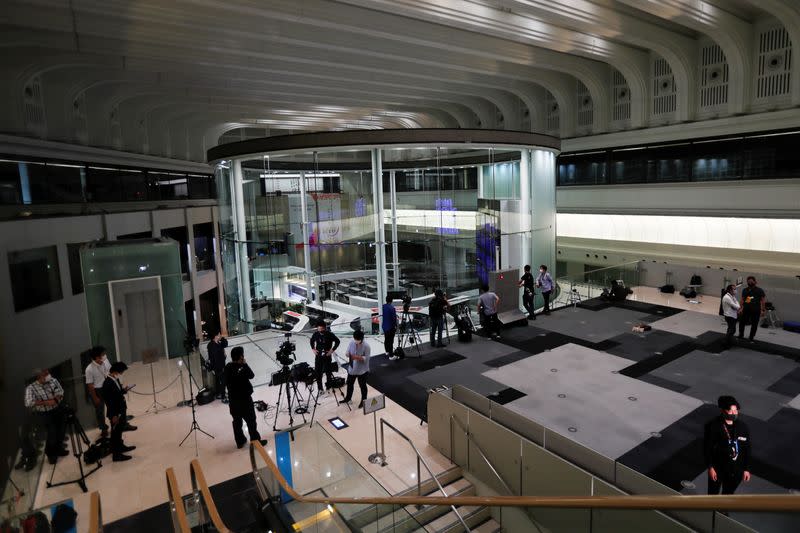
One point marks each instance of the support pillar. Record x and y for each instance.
(543, 209)
(240, 238)
(395, 252)
(380, 238)
(306, 247)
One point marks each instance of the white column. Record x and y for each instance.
(240, 236)
(543, 208)
(221, 307)
(198, 327)
(306, 248)
(525, 205)
(380, 239)
(395, 252)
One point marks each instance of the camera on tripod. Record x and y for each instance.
(406, 302)
(285, 354)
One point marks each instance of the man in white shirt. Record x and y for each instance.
(488, 303)
(96, 374)
(730, 310)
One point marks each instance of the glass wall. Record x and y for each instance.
(327, 233)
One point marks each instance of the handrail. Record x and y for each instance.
(95, 513)
(180, 522)
(752, 502)
(425, 463)
(480, 451)
(199, 485)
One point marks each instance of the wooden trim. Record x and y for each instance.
(95, 513)
(176, 500)
(762, 503)
(199, 484)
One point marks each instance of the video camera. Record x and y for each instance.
(406, 302)
(285, 354)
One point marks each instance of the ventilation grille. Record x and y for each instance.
(115, 128)
(665, 95)
(584, 105)
(553, 114)
(774, 63)
(79, 119)
(621, 97)
(713, 76)
(35, 119)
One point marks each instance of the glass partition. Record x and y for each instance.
(326, 233)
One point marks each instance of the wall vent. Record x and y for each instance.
(713, 77)
(665, 94)
(773, 63)
(35, 118)
(553, 114)
(585, 107)
(620, 97)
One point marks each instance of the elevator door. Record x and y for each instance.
(139, 319)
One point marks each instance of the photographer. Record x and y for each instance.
(436, 311)
(216, 360)
(358, 367)
(240, 395)
(45, 398)
(323, 343)
(389, 326)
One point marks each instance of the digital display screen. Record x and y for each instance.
(338, 423)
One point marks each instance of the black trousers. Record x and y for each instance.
(100, 412)
(322, 365)
(728, 481)
(437, 326)
(527, 302)
(749, 317)
(362, 385)
(53, 423)
(388, 341)
(546, 296)
(491, 324)
(731, 330)
(116, 434)
(244, 412)
(219, 384)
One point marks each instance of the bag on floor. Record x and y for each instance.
(399, 352)
(668, 289)
(336, 383)
(96, 451)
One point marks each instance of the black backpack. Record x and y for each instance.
(696, 280)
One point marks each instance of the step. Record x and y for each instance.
(411, 519)
(373, 513)
(489, 526)
(472, 516)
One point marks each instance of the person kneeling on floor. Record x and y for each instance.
(357, 367)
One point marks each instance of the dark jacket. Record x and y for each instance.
(114, 398)
(718, 449)
(237, 379)
(216, 354)
(324, 342)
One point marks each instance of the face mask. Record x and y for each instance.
(541, 272)
(731, 417)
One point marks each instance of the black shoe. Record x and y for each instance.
(361, 404)
(62, 452)
(263, 442)
(127, 448)
(225, 401)
(441, 345)
(347, 400)
(240, 445)
(129, 427)
(531, 317)
(119, 457)
(52, 459)
(21, 464)
(741, 337)
(128, 417)
(752, 341)
(30, 465)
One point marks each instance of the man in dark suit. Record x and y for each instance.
(114, 397)
(240, 397)
(216, 357)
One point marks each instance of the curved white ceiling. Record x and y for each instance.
(171, 78)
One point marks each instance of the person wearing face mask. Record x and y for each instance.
(44, 397)
(358, 368)
(753, 307)
(96, 374)
(726, 447)
(730, 310)
(545, 282)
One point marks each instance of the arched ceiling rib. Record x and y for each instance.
(176, 74)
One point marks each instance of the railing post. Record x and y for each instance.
(419, 480)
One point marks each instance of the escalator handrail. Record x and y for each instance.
(95, 513)
(178, 510)
(200, 485)
(750, 502)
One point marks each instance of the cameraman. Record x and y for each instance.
(436, 311)
(240, 395)
(216, 359)
(45, 398)
(323, 343)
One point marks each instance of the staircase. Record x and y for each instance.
(427, 518)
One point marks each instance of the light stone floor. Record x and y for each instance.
(577, 392)
(129, 487)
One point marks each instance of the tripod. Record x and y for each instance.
(77, 440)
(195, 426)
(289, 384)
(408, 333)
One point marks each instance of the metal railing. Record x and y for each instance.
(95, 513)
(180, 522)
(420, 460)
(208, 508)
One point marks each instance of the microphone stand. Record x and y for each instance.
(195, 426)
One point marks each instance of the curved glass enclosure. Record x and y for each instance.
(325, 226)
